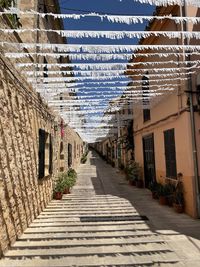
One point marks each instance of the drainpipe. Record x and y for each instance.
(193, 131)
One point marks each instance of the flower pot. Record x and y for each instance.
(58, 195)
(139, 184)
(170, 201)
(66, 191)
(178, 208)
(131, 182)
(162, 200)
(154, 195)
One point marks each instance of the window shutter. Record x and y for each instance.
(170, 153)
(50, 155)
(41, 153)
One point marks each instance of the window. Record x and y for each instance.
(170, 153)
(69, 155)
(45, 69)
(13, 18)
(74, 149)
(145, 88)
(45, 154)
(198, 89)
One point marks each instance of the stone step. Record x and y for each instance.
(81, 229)
(88, 202)
(94, 234)
(82, 224)
(87, 219)
(91, 214)
(88, 212)
(92, 206)
(96, 197)
(89, 208)
(140, 259)
(88, 242)
(92, 199)
(88, 251)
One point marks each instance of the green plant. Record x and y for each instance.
(69, 182)
(6, 3)
(134, 171)
(162, 190)
(153, 186)
(178, 194)
(72, 172)
(83, 159)
(59, 186)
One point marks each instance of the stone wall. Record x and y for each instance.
(22, 113)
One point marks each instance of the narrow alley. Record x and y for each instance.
(106, 222)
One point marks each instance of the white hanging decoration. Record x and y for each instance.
(37, 74)
(83, 48)
(79, 78)
(96, 83)
(169, 2)
(111, 34)
(111, 18)
(98, 56)
(119, 89)
(102, 57)
(107, 66)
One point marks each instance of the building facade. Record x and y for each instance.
(34, 142)
(164, 136)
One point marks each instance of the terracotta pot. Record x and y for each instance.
(139, 184)
(154, 195)
(170, 201)
(162, 200)
(66, 191)
(58, 195)
(178, 208)
(131, 182)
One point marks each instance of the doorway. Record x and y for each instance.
(149, 159)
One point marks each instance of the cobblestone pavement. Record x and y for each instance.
(106, 222)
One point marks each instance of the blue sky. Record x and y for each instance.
(114, 7)
(124, 7)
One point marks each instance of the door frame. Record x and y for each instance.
(146, 181)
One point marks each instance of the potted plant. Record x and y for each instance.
(162, 194)
(136, 173)
(58, 190)
(178, 203)
(72, 172)
(170, 187)
(113, 164)
(153, 186)
(129, 175)
(83, 158)
(68, 183)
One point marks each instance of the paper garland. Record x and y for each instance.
(115, 35)
(110, 18)
(88, 48)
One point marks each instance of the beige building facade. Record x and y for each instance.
(34, 143)
(162, 129)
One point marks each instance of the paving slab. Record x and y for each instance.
(106, 222)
